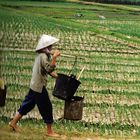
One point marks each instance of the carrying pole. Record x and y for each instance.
(67, 55)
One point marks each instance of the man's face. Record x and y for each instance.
(48, 49)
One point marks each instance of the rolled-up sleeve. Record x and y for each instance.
(46, 67)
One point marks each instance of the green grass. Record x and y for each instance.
(34, 129)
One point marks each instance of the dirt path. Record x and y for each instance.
(34, 134)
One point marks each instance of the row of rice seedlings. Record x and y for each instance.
(128, 27)
(127, 42)
(129, 61)
(115, 87)
(19, 61)
(114, 98)
(111, 113)
(89, 41)
(115, 129)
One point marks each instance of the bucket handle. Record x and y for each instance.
(74, 56)
(74, 64)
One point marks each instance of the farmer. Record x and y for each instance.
(44, 65)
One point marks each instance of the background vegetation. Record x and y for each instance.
(104, 37)
(137, 2)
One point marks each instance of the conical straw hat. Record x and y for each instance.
(46, 41)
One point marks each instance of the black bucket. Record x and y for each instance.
(2, 96)
(65, 87)
(73, 109)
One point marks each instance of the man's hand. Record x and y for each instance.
(54, 56)
(53, 74)
(56, 53)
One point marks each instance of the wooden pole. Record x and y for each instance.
(81, 73)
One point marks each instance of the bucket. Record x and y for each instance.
(73, 109)
(65, 86)
(2, 96)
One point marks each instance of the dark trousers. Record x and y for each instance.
(41, 100)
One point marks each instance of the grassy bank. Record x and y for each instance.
(69, 130)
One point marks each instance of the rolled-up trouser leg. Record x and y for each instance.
(28, 103)
(45, 106)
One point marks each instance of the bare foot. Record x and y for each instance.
(52, 134)
(14, 127)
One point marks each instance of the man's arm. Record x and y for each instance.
(48, 67)
(54, 56)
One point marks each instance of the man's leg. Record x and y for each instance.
(26, 106)
(13, 123)
(45, 108)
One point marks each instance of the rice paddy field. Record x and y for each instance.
(104, 38)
